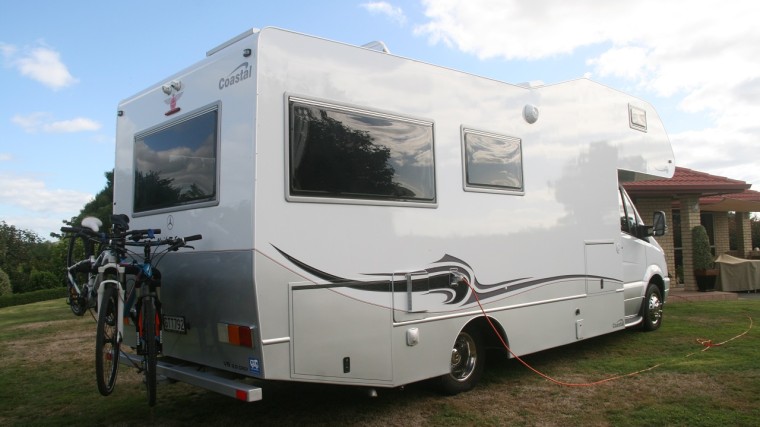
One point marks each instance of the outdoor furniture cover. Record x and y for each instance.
(737, 274)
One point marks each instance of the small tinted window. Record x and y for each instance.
(492, 162)
(346, 153)
(176, 166)
(629, 218)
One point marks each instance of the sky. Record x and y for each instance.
(65, 65)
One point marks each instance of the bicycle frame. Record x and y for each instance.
(95, 267)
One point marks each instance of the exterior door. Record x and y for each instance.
(634, 255)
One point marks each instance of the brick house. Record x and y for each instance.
(691, 198)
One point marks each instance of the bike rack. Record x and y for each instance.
(200, 376)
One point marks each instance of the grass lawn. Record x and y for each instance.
(47, 377)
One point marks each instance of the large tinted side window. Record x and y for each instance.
(346, 153)
(176, 165)
(492, 162)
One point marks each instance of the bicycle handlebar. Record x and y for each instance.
(136, 237)
(170, 241)
(83, 230)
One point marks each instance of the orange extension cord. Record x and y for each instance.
(707, 343)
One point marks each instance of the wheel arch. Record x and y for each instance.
(657, 280)
(490, 337)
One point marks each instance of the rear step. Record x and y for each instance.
(199, 376)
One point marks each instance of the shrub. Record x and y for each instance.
(703, 259)
(30, 297)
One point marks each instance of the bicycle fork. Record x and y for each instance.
(119, 272)
(136, 314)
(119, 306)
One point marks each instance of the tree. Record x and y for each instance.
(100, 207)
(5, 283)
(39, 279)
(30, 263)
(18, 256)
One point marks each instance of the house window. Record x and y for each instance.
(493, 163)
(356, 155)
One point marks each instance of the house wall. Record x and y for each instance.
(720, 230)
(744, 230)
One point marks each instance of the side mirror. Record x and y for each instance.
(659, 225)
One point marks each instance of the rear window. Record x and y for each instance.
(176, 164)
(339, 152)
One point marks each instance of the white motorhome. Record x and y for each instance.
(356, 207)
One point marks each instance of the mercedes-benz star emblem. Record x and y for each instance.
(170, 222)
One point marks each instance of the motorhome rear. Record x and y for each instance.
(356, 206)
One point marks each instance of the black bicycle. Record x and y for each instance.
(146, 313)
(82, 264)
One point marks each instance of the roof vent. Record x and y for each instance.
(378, 46)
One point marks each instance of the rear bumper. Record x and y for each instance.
(200, 376)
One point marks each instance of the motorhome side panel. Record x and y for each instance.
(189, 140)
(338, 255)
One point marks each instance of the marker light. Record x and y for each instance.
(235, 334)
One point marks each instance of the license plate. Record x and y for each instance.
(175, 324)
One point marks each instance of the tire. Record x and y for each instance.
(652, 308)
(77, 302)
(107, 343)
(467, 363)
(151, 347)
(80, 248)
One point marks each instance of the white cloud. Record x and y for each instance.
(28, 203)
(5, 157)
(703, 54)
(44, 122)
(33, 195)
(40, 63)
(384, 8)
(7, 50)
(627, 62)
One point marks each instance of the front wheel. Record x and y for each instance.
(652, 308)
(107, 342)
(151, 347)
(467, 363)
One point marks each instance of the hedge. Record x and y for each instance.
(30, 297)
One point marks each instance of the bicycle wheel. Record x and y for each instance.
(151, 348)
(107, 342)
(80, 247)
